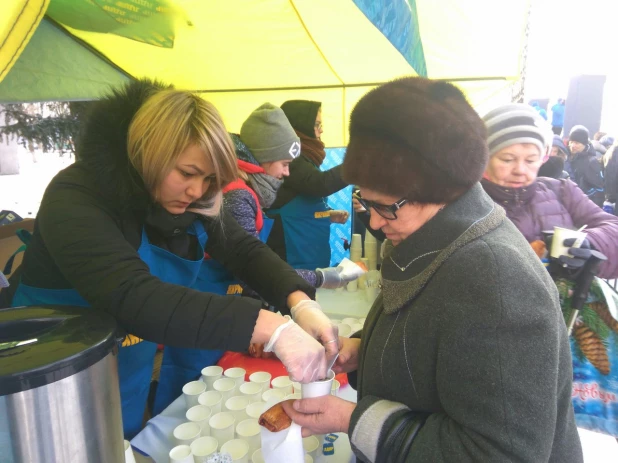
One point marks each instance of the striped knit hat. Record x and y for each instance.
(516, 123)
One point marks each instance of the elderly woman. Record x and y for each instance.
(464, 356)
(516, 143)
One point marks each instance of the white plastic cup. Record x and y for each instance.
(203, 447)
(308, 458)
(356, 240)
(237, 406)
(212, 399)
(191, 391)
(318, 388)
(295, 396)
(128, 453)
(369, 238)
(251, 390)
(211, 374)
(352, 286)
(560, 234)
(225, 386)
(249, 431)
(186, 433)
(296, 386)
(238, 449)
(181, 454)
(311, 445)
(255, 409)
(334, 389)
(284, 383)
(345, 330)
(262, 378)
(257, 457)
(237, 374)
(222, 427)
(276, 395)
(350, 321)
(371, 294)
(356, 327)
(200, 414)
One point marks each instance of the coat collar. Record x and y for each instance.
(510, 196)
(408, 267)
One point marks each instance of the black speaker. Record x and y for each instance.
(584, 103)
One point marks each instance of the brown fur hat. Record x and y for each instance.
(418, 139)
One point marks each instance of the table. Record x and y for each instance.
(342, 303)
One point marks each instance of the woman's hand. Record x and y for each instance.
(320, 415)
(348, 355)
(339, 216)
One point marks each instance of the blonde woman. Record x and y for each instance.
(125, 229)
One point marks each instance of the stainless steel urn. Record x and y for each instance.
(59, 394)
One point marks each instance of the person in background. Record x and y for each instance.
(516, 141)
(557, 116)
(465, 355)
(554, 166)
(301, 231)
(538, 109)
(585, 167)
(611, 179)
(124, 230)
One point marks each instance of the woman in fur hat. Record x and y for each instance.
(301, 231)
(455, 362)
(125, 229)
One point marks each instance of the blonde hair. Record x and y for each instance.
(167, 124)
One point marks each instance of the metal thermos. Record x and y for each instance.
(59, 393)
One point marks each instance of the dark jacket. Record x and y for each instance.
(611, 175)
(465, 356)
(305, 179)
(587, 173)
(88, 230)
(553, 168)
(547, 203)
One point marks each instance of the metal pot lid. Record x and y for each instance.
(40, 345)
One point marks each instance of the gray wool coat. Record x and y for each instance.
(465, 355)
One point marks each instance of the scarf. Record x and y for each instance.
(312, 148)
(265, 187)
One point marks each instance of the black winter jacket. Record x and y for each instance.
(588, 175)
(88, 230)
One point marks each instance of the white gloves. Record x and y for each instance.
(333, 278)
(302, 355)
(310, 317)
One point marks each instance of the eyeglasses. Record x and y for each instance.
(318, 126)
(389, 212)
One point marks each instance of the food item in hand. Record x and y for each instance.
(257, 351)
(539, 248)
(275, 419)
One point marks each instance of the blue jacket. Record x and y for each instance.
(557, 116)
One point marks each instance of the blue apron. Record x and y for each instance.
(135, 357)
(306, 228)
(181, 365)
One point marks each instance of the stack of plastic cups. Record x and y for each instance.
(371, 251)
(356, 253)
(362, 280)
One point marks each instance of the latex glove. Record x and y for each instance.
(578, 256)
(301, 355)
(339, 216)
(308, 314)
(332, 278)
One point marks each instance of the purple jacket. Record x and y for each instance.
(547, 203)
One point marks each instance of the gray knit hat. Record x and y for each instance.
(269, 135)
(516, 123)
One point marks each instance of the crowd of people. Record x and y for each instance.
(164, 211)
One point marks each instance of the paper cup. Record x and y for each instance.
(345, 330)
(212, 399)
(128, 453)
(249, 431)
(203, 447)
(181, 454)
(318, 388)
(257, 457)
(295, 396)
(352, 286)
(237, 374)
(238, 449)
(371, 294)
(237, 406)
(222, 427)
(253, 391)
(211, 374)
(356, 328)
(308, 458)
(262, 378)
(191, 391)
(560, 234)
(225, 386)
(186, 433)
(284, 383)
(200, 414)
(255, 409)
(296, 387)
(311, 445)
(275, 395)
(350, 321)
(335, 321)
(334, 389)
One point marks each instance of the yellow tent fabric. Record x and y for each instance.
(241, 53)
